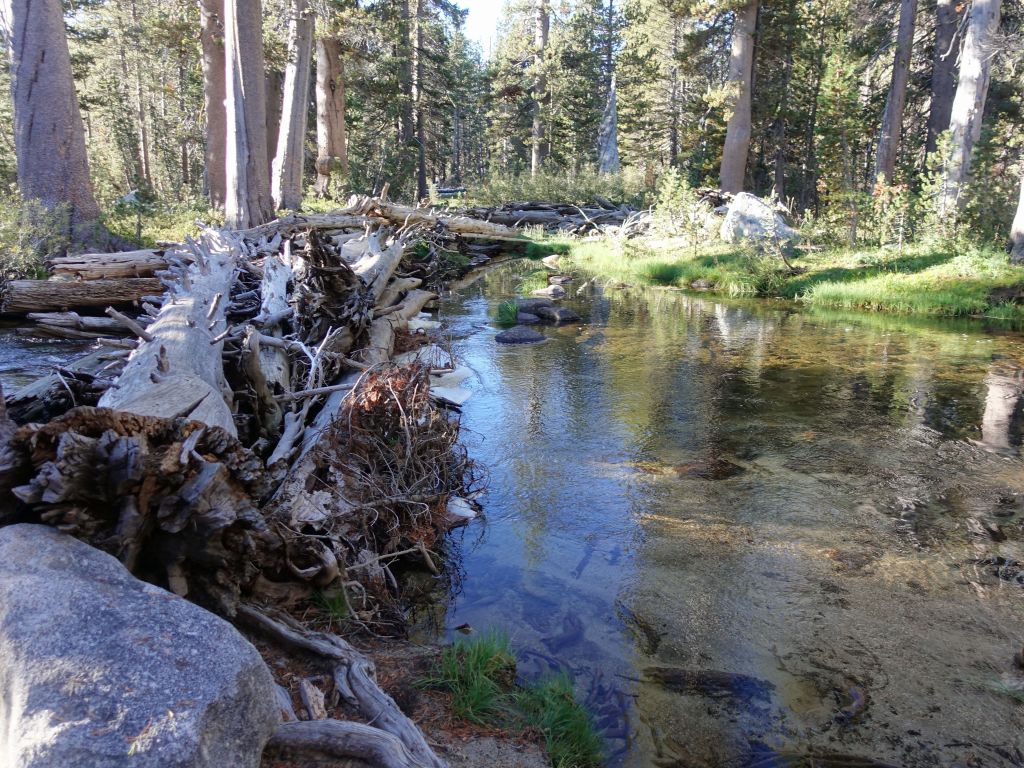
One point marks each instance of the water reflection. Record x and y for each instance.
(753, 533)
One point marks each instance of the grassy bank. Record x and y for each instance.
(920, 279)
(480, 676)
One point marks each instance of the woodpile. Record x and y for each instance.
(602, 217)
(233, 447)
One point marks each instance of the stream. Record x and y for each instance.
(754, 535)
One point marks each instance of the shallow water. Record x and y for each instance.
(25, 358)
(847, 590)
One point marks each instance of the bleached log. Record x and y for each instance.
(396, 288)
(107, 266)
(77, 321)
(266, 365)
(401, 214)
(380, 262)
(22, 296)
(300, 221)
(179, 373)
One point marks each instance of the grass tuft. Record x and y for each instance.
(508, 312)
(480, 675)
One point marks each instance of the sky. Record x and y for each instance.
(482, 23)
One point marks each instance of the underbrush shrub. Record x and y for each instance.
(30, 233)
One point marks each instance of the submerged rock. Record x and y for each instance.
(101, 670)
(559, 279)
(527, 318)
(519, 335)
(556, 315)
(751, 218)
(552, 291)
(709, 469)
(530, 306)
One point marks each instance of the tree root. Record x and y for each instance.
(338, 739)
(355, 678)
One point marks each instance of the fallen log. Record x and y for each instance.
(179, 371)
(461, 225)
(106, 266)
(19, 297)
(104, 325)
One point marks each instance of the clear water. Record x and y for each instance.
(25, 358)
(845, 591)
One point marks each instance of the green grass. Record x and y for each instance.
(508, 313)
(922, 279)
(569, 734)
(480, 675)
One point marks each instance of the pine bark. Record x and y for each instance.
(274, 92)
(943, 85)
(211, 37)
(608, 136)
(331, 133)
(892, 118)
(969, 102)
(420, 106)
(1017, 230)
(291, 140)
(741, 63)
(49, 137)
(248, 181)
(542, 25)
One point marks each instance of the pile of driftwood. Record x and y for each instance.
(252, 444)
(602, 217)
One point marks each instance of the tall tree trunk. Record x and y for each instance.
(608, 136)
(892, 118)
(140, 104)
(741, 63)
(211, 37)
(407, 123)
(542, 23)
(274, 91)
(331, 133)
(49, 137)
(969, 102)
(673, 97)
(1017, 230)
(947, 24)
(420, 103)
(291, 140)
(248, 201)
(456, 175)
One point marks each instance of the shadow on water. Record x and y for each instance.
(754, 535)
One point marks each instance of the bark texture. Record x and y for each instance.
(892, 118)
(248, 180)
(49, 137)
(211, 37)
(331, 134)
(741, 63)
(1017, 230)
(969, 102)
(608, 137)
(21, 296)
(943, 86)
(291, 139)
(542, 25)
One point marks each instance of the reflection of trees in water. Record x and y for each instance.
(1000, 426)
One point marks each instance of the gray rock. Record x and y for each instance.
(530, 305)
(100, 670)
(519, 335)
(528, 318)
(751, 218)
(557, 315)
(559, 279)
(702, 284)
(552, 291)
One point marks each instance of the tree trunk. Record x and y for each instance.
(1017, 230)
(421, 128)
(331, 133)
(608, 137)
(542, 22)
(741, 63)
(969, 102)
(291, 141)
(892, 118)
(248, 182)
(406, 123)
(947, 39)
(49, 137)
(211, 36)
(274, 91)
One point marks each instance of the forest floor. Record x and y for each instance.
(917, 279)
